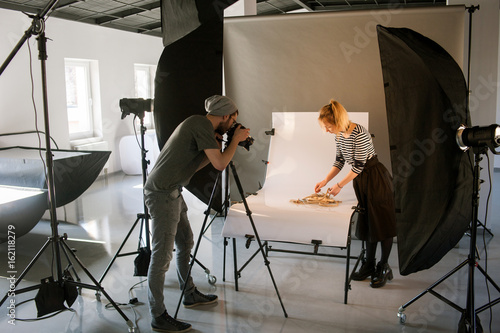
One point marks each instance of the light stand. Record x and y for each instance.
(58, 242)
(471, 11)
(469, 322)
(143, 217)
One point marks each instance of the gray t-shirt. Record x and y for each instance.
(182, 154)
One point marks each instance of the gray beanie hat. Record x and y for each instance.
(217, 105)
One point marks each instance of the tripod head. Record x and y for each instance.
(36, 28)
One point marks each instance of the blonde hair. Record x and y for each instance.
(335, 114)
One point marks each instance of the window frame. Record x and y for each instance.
(149, 94)
(93, 111)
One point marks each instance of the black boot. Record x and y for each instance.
(383, 272)
(366, 270)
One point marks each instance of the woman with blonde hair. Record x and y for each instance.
(372, 184)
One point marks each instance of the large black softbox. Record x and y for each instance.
(189, 71)
(426, 101)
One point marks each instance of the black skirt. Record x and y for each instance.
(375, 193)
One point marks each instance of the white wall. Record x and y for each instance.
(116, 51)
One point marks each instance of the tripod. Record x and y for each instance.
(249, 214)
(469, 322)
(57, 242)
(142, 217)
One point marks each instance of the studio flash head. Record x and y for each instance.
(484, 136)
(136, 106)
(245, 143)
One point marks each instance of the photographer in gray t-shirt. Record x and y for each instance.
(194, 143)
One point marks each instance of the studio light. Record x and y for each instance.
(478, 136)
(136, 106)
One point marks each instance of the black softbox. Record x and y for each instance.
(426, 101)
(188, 72)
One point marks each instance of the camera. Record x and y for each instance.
(135, 106)
(245, 143)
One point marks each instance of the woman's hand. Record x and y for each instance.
(334, 190)
(319, 185)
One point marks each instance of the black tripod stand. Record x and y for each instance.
(249, 214)
(58, 242)
(469, 322)
(142, 217)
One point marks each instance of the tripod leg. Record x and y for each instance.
(224, 260)
(98, 286)
(484, 227)
(348, 258)
(249, 214)
(235, 259)
(119, 250)
(25, 271)
(488, 277)
(211, 279)
(267, 263)
(435, 284)
(361, 259)
(211, 221)
(70, 265)
(430, 289)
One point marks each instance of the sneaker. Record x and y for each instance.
(165, 323)
(367, 269)
(197, 298)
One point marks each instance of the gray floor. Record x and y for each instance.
(311, 287)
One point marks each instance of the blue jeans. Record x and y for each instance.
(169, 226)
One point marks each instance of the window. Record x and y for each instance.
(144, 86)
(81, 97)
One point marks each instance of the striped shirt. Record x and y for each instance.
(355, 150)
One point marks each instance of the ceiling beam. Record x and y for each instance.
(275, 7)
(128, 12)
(304, 5)
(66, 3)
(152, 26)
